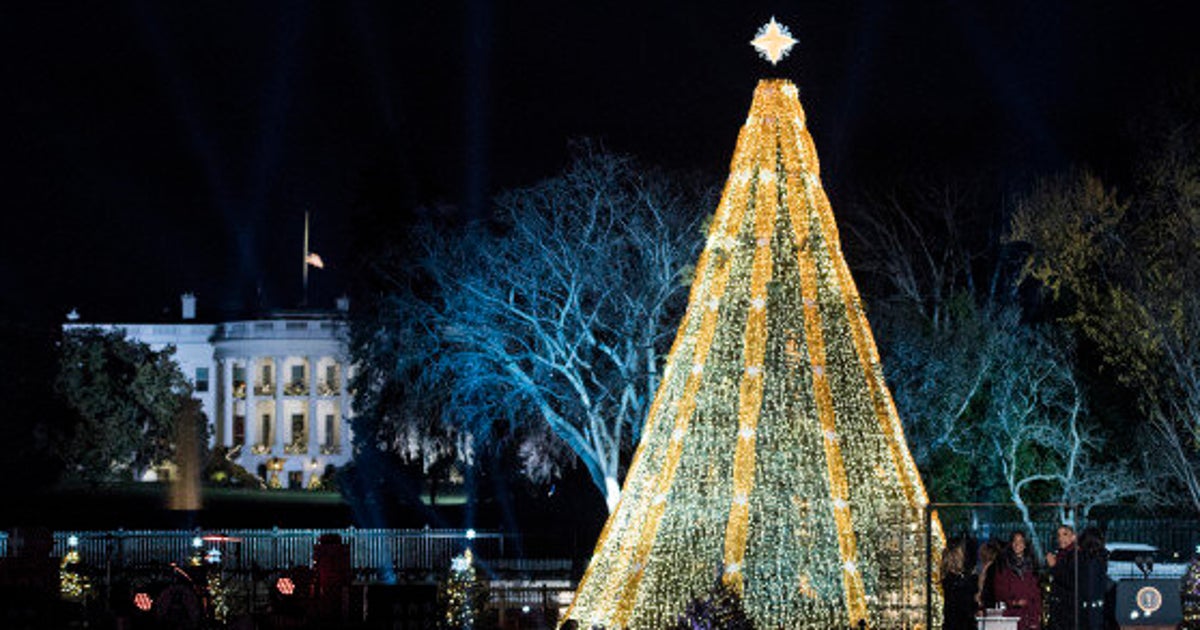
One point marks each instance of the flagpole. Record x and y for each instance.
(304, 262)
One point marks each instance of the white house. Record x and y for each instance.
(273, 388)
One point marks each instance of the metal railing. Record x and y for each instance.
(371, 550)
(280, 329)
(1174, 537)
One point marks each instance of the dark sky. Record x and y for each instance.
(156, 147)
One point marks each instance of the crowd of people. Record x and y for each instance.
(1065, 589)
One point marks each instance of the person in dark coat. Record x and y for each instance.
(958, 588)
(1063, 594)
(1016, 583)
(1093, 579)
(989, 553)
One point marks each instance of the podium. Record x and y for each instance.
(997, 623)
(1149, 604)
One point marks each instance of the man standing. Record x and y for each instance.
(1063, 563)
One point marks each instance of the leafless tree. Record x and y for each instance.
(552, 328)
(969, 376)
(936, 305)
(1037, 431)
(1174, 403)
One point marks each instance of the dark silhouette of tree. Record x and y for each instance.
(33, 412)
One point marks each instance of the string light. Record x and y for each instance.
(71, 584)
(461, 594)
(772, 455)
(285, 586)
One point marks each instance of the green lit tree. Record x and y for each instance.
(1122, 271)
(126, 398)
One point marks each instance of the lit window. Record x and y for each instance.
(299, 433)
(201, 379)
(330, 430)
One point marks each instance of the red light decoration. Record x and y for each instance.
(285, 585)
(143, 602)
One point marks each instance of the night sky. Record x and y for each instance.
(156, 147)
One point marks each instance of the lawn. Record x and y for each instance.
(143, 506)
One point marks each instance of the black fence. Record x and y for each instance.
(269, 575)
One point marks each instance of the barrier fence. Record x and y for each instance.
(1178, 538)
(371, 550)
(394, 581)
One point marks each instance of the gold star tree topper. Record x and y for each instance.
(773, 41)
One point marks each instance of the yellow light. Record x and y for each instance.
(773, 41)
(772, 455)
(285, 586)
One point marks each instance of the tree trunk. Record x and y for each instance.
(612, 493)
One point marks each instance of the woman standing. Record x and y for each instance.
(958, 589)
(1017, 583)
(1093, 579)
(989, 554)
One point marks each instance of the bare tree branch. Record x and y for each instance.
(558, 320)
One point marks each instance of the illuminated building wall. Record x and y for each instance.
(275, 387)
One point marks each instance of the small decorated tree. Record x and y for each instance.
(72, 585)
(1191, 595)
(461, 595)
(218, 595)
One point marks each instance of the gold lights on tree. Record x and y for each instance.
(772, 458)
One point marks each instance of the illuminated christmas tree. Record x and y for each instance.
(1191, 595)
(72, 585)
(462, 595)
(772, 456)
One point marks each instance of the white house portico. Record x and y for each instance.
(274, 388)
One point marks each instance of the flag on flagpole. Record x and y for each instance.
(315, 260)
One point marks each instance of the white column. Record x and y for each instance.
(252, 420)
(280, 425)
(344, 433)
(341, 434)
(314, 447)
(226, 437)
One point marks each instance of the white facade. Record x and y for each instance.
(275, 389)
